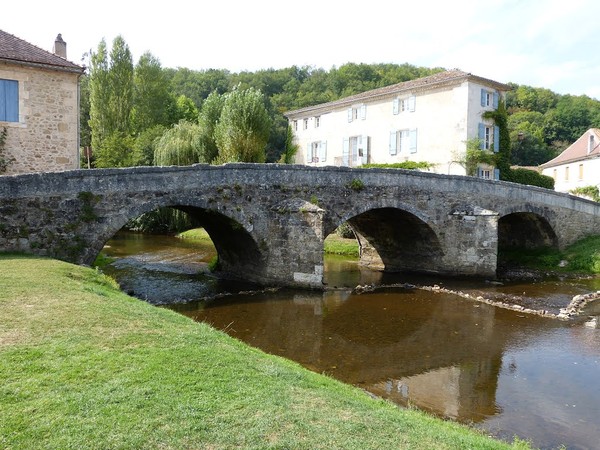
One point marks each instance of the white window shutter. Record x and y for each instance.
(308, 153)
(413, 141)
(363, 112)
(393, 142)
(349, 114)
(412, 100)
(364, 142)
(346, 152)
(323, 151)
(396, 106)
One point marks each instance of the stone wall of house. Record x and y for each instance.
(46, 138)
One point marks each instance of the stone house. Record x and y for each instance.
(578, 165)
(429, 119)
(39, 106)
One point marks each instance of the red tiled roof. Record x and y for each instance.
(578, 150)
(15, 50)
(430, 82)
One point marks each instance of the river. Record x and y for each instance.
(503, 371)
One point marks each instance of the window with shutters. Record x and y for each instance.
(317, 121)
(403, 141)
(305, 124)
(295, 125)
(9, 100)
(355, 151)
(356, 112)
(316, 152)
(489, 137)
(401, 105)
(489, 98)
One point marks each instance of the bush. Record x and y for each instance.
(345, 231)
(528, 177)
(410, 165)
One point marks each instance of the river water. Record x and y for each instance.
(503, 371)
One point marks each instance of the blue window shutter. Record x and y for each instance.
(396, 106)
(3, 100)
(411, 103)
(9, 100)
(496, 174)
(495, 100)
(413, 141)
(483, 97)
(346, 152)
(496, 139)
(349, 114)
(323, 151)
(393, 142)
(479, 172)
(481, 135)
(363, 112)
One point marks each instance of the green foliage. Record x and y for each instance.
(208, 118)
(590, 192)
(145, 145)
(181, 145)
(161, 220)
(529, 177)
(345, 231)
(289, 154)
(242, 131)
(116, 150)
(474, 156)
(3, 161)
(356, 185)
(409, 165)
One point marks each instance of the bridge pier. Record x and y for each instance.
(470, 244)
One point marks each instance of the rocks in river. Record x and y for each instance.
(577, 304)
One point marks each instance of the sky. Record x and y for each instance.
(551, 44)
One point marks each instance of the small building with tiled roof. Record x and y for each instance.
(429, 119)
(578, 165)
(39, 107)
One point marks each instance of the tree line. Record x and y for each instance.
(145, 114)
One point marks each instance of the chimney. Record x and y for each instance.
(60, 47)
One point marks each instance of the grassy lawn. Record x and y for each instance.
(85, 366)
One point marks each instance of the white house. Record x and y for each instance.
(578, 165)
(428, 119)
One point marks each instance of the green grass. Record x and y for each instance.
(337, 245)
(85, 366)
(581, 257)
(197, 234)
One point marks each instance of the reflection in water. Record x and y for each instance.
(508, 373)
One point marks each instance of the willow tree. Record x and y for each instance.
(242, 131)
(180, 145)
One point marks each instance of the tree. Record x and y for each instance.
(207, 119)
(152, 100)
(242, 131)
(111, 101)
(180, 145)
(291, 148)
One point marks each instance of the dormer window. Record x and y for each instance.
(591, 143)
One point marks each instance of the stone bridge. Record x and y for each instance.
(268, 222)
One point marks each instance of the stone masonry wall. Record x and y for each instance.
(269, 221)
(46, 138)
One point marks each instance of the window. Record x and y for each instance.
(489, 98)
(488, 173)
(9, 100)
(316, 152)
(554, 174)
(404, 104)
(305, 124)
(567, 173)
(357, 111)
(581, 171)
(489, 137)
(295, 125)
(403, 141)
(355, 151)
(591, 144)
(317, 121)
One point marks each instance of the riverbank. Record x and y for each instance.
(84, 364)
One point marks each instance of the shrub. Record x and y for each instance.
(529, 177)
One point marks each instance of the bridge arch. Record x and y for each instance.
(525, 227)
(394, 239)
(238, 251)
